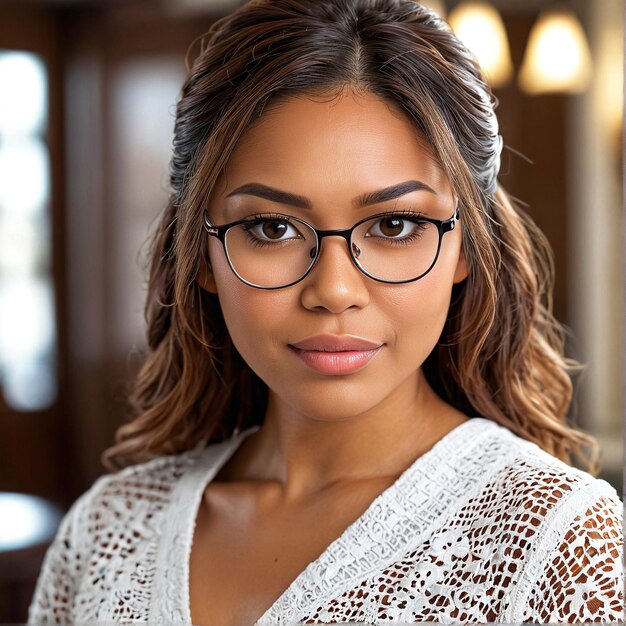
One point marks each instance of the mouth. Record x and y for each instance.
(336, 355)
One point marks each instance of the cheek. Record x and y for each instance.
(418, 310)
(251, 315)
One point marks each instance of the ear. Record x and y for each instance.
(461, 272)
(205, 277)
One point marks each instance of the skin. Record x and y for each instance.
(329, 444)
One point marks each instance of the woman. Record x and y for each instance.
(354, 403)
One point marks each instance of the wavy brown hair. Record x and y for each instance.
(501, 354)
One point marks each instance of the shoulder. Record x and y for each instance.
(527, 473)
(565, 526)
(125, 510)
(150, 480)
(128, 505)
(508, 486)
(109, 538)
(553, 499)
(508, 475)
(145, 480)
(145, 487)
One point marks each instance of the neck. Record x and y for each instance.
(305, 455)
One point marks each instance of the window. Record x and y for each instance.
(28, 340)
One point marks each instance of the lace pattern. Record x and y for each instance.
(103, 557)
(483, 527)
(590, 551)
(497, 571)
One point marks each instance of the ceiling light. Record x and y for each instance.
(557, 57)
(479, 26)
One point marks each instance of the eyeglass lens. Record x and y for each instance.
(274, 252)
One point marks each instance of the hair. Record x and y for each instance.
(501, 353)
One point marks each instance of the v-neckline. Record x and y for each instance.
(193, 483)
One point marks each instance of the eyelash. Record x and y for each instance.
(259, 218)
(267, 216)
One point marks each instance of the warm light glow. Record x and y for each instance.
(479, 26)
(609, 78)
(557, 57)
(435, 5)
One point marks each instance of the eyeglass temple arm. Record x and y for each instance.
(450, 224)
(210, 228)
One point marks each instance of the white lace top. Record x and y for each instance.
(485, 526)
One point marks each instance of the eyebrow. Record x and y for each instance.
(366, 199)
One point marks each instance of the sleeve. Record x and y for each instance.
(582, 580)
(53, 599)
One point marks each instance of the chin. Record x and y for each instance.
(331, 403)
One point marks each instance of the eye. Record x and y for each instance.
(274, 230)
(393, 227)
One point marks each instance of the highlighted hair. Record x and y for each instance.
(501, 352)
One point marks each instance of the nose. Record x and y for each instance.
(335, 284)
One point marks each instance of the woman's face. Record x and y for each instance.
(331, 152)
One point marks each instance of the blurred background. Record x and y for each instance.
(87, 96)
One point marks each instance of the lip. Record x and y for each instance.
(336, 343)
(336, 354)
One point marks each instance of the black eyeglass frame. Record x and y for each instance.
(443, 226)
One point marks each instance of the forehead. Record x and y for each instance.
(342, 144)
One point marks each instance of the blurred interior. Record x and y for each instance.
(87, 93)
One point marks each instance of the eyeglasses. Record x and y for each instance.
(274, 251)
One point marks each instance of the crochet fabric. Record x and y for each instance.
(484, 527)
